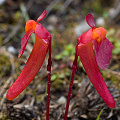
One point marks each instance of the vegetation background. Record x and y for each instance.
(65, 21)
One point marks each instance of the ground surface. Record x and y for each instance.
(64, 23)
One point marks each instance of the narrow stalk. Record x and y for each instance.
(49, 78)
(74, 68)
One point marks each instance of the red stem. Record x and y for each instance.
(49, 79)
(74, 68)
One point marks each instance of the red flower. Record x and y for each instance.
(103, 50)
(36, 57)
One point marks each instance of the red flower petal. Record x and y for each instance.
(87, 57)
(103, 52)
(42, 16)
(30, 69)
(24, 42)
(90, 21)
(41, 32)
(85, 37)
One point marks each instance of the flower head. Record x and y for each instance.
(36, 57)
(34, 27)
(98, 34)
(103, 51)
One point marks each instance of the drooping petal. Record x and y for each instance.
(87, 57)
(90, 21)
(41, 32)
(42, 16)
(30, 69)
(103, 52)
(85, 37)
(24, 42)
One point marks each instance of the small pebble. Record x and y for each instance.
(2, 2)
(100, 21)
(50, 27)
(111, 12)
(12, 50)
(52, 19)
(81, 28)
(61, 100)
(18, 106)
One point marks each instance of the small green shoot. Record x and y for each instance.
(68, 51)
(100, 114)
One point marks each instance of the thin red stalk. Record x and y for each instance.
(49, 79)
(74, 68)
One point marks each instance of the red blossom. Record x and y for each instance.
(103, 51)
(36, 57)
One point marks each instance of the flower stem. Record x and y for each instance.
(49, 79)
(74, 68)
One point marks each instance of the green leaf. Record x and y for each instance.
(100, 114)
(69, 47)
(105, 14)
(117, 44)
(61, 76)
(116, 51)
(65, 53)
(53, 77)
(58, 57)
